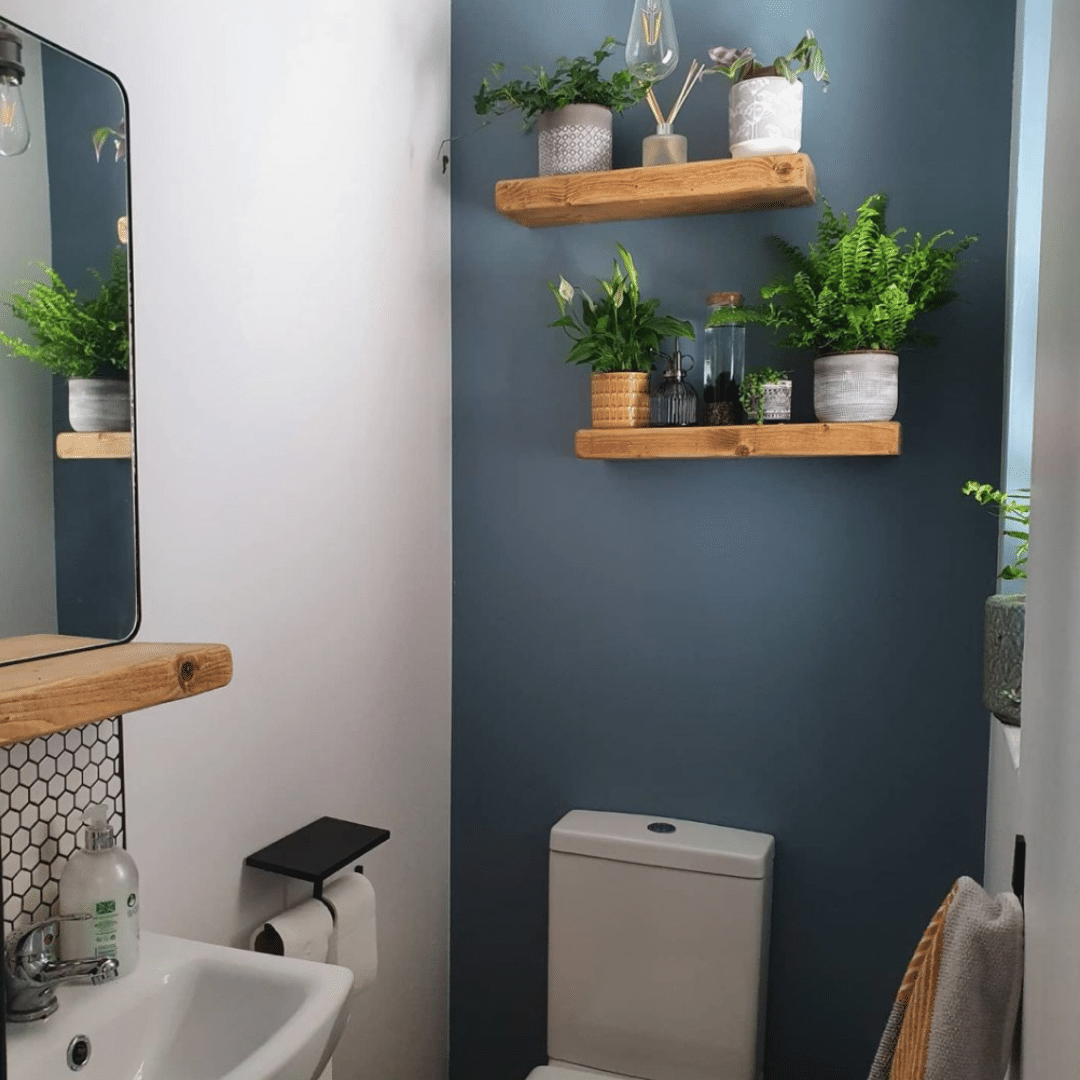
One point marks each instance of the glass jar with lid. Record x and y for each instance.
(725, 362)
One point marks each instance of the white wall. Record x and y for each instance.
(290, 233)
(1050, 776)
(27, 544)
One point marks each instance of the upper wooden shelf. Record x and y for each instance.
(93, 444)
(698, 187)
(877, 439)
(39, 697)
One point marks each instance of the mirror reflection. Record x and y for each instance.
(68, 567)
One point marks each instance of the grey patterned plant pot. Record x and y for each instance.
(1003, 656)
(856, 386)
(575, 139)
(99, 404)
(775, 405)
(765, 116)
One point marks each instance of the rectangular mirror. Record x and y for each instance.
(68, 537)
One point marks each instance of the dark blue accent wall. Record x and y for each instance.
(786, 646)
(93, 500)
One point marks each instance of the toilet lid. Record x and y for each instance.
(555, 1072)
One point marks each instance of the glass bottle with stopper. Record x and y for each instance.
(725, 359)
(675, 402)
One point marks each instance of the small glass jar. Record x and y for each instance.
(675, 401)
(725, 362)
(663, 148)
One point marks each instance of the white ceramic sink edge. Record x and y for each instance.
(192, 1011)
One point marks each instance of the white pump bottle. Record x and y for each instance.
(101, 880)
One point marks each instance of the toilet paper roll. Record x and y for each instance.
(352, 942)
(303, 932)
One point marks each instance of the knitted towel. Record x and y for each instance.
(955, 1012)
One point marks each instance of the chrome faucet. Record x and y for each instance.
(32, 973)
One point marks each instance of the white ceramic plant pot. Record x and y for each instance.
(765, 116)
(855, 386)
(775, 403)
(575, 139)
(99, 404)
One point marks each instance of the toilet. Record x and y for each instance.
(658, 943)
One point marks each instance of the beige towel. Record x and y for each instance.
(955, 1012)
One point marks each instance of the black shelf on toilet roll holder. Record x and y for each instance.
(318, 851)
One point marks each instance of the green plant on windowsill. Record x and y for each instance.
(573, 82)
(619, 331)
(1015, 510)
(740, 64)
(750, 392)
(76, 337)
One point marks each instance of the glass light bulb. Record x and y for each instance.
(652, 49)
(14, 128)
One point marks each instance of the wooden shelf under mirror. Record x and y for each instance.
(874, 439)
(39, 697)
(698, 187)
(95, 445)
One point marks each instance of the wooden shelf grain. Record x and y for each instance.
(877, 439)
(698, 187)
(93, 444)
(39, 697)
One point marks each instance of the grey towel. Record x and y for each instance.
(955, 1013)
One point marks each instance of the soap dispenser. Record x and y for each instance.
(100, 880)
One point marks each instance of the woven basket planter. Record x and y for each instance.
(574, 139)
(856, 386)
(620, 399)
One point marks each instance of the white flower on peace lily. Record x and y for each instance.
(566, 290)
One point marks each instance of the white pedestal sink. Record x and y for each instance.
(190, 1011)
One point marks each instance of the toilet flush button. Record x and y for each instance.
(661, 826)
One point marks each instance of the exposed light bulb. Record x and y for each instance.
(652, 48)
(14, 127)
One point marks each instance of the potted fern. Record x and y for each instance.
(618, 336)
(83, 339)
(1003, 626)
(853, 297)
(765, 105)
(571, 107)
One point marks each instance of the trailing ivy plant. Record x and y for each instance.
(739, 64)
(573, 82)
(855, 287)
(750, 391)
(76, 337)
(619, 331)
(1015, 511)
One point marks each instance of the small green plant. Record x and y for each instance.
(750, 392)
(118, 134)
(739, 64)
(620, 331)
(855, 288)
(76, 337)
(1015, 510)
(573, 82)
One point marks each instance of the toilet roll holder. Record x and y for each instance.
(318, 851)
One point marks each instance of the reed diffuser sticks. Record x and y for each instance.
(697, 70)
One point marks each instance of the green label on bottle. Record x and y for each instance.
(105, 907)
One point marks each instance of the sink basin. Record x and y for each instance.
(192, 1011)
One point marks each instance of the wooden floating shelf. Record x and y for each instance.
(877, 439)
(93, 444)
(698, 187)
(39, 697)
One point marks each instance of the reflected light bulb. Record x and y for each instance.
(14, 128)
(652, 49)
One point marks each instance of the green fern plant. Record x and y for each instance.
(76, 337)
(855, 287)
(1015, 511)
(620, 331)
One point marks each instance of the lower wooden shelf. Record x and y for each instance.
(93, 444)
(876, 439)
(39, 697)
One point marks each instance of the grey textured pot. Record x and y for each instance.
(574, 139)
(99, 404)
(856, 386)
(1003, 656)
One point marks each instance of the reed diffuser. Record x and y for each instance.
(665, 147)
